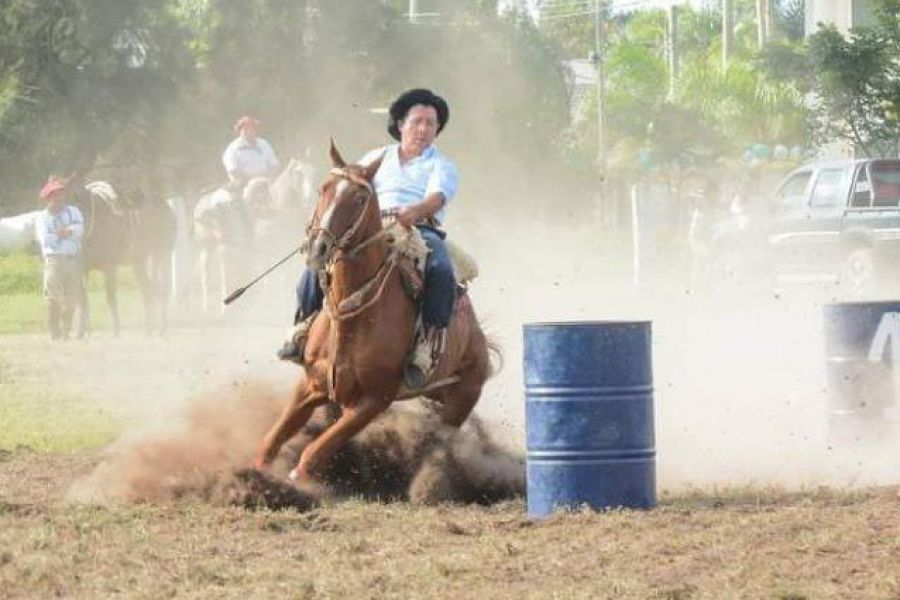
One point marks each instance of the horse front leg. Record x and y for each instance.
(204, 279)
(110, 280)
(164, 291)
(294, 416)
(225, 271)
(316, 456)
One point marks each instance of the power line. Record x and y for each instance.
(580, 11)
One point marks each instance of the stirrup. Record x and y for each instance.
(295, 342)
(426, 355)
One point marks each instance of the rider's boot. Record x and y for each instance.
(295, 342)
(425, 357)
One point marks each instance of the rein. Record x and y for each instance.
(354, 304)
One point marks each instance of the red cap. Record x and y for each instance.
(245, 121)
(53, 184)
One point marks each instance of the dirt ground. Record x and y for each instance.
(744, 542)
(733, 544)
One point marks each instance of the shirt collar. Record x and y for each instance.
(245, 143)
(427, 153)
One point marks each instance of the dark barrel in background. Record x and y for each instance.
(589, 416)
(859, 347)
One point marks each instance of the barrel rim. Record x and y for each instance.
(537, 324)
(833, 305)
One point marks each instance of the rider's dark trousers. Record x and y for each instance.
(440, 285)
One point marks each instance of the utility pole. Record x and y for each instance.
(727, 30)
(598, 63)
(672, 48)
(762, 22)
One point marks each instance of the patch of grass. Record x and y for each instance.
(44, 419)
(22, 308)
(26, 312)
(20, 274)
(397, 550)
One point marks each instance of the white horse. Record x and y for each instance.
(18, 232)
(229, 230)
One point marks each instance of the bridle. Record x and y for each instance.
(343, 242)
(371, 291)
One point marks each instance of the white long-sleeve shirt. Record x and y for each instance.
(47, 225)
(399, 185)
(249, 159)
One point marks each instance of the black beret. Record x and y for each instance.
(410, 98)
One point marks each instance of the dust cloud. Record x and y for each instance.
(740, 379)
(740, 387)
(405, 454)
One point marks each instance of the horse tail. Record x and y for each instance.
(495, 356)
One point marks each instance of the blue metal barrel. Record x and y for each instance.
(861, 339)
(589, 416)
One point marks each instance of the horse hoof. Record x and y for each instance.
(294, 476)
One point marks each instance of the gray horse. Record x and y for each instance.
(232, 231)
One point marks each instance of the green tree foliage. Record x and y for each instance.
(856, 82)
(712, 112)
(157, 84)
(77, 76)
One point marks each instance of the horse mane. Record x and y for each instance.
(105, 192)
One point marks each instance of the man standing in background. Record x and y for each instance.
(60, 230)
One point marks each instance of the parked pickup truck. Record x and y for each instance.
(834, 223)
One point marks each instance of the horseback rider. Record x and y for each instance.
(247, 156)
(415, 182)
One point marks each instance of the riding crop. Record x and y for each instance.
(240, 291)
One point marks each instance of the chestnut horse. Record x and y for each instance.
(355, 358)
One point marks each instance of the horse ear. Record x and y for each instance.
(336, 159)
(372, 168)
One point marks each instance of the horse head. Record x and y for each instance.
(346, 207)
(293, 189)
(257, 196)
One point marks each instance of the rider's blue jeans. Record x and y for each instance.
(439, 294)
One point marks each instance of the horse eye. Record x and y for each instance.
(360, 200)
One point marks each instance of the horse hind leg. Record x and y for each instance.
(141, 272)
(458, 400)
(83, 309)
(457, 403)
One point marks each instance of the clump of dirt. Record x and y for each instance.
(407, 455)
(254, 490)
(403, 455)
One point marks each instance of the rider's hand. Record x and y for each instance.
(407, 216)
(63, 232)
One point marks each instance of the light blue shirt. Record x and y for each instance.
(402, 185)
(47, 224)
